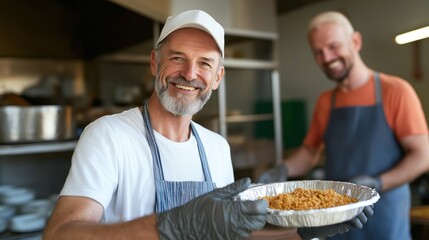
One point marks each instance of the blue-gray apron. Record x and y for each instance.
(169, 194)
(359, 141)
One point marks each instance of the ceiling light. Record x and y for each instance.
(412, 35)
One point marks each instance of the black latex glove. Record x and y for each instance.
(372, 182)
(275, 174)
(214, 215)
(357, 222)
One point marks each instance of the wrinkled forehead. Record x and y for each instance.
(194, 43)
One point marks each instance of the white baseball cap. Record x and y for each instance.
(194, 19)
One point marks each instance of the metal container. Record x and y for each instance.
(20, 124)
(314, 217)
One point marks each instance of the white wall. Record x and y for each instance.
(378, 21)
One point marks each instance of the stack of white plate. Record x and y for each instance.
(16, 196)
(20, 212)
(41, 207)
(27, 223)
(6, 213)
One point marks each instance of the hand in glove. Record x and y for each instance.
(372, 182)
(275, 174)
(357, 222)
(214, 215)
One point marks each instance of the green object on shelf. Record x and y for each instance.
(264, 129)
(294, 122)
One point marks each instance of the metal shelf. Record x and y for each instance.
(249, 64)
(249, 118)
(244, 33)
(30, 148)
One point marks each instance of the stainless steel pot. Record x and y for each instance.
(36, 123)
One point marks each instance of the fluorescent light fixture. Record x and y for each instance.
(412, 36)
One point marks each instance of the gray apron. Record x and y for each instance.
(169, 194)
(359, 141)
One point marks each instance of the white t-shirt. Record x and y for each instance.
(112, 164)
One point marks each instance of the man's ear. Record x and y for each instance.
(219, 76)
(153, 63)
(357, 41)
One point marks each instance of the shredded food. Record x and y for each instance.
(305, 199)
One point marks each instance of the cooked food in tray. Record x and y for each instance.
(306, 199)
(312, 200)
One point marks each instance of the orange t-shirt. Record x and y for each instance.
(402, 108)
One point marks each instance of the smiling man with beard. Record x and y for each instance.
(151, 172)
(371, 127)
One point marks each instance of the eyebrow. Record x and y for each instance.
(174, 52)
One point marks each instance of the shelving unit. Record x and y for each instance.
(41, 167)
(234, 36)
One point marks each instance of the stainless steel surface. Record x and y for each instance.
(22, 124)
(40, 147)
(316, 217)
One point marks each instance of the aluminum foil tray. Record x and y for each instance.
(315, 217)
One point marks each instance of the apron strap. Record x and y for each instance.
(157, 166)
(202, 152)
(377, 88)
(377, 84)
(159, 173)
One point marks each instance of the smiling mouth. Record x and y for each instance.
(187, 88)
(334, 65)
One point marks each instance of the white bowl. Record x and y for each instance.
(17, 196)
(6, 212)
(27, 223)
(42, 207)
(6, 188)
(3, 225)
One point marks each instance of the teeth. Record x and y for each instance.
(185, 87)
(335, 64)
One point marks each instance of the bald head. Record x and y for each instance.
(331, 17)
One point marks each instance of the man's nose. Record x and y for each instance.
(190, 71)
(327, 56)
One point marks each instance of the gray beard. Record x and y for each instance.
(178, 105)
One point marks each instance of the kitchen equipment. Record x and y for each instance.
(20, 124)
(314, 217)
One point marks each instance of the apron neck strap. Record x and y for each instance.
(157, 166)
(377, 90)
(159, 173)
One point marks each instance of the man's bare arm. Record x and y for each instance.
(78, 218)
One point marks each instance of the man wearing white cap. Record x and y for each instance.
(151, 172)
